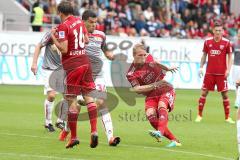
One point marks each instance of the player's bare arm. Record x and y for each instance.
(86, 38)
(172, 69)
(202, 62)
(35, 58)
(146, 88)
(108, 54)
(62, 46)
(238, 82)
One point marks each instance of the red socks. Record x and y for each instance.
(92, 112)
(169, 134)
(201, 104)
(162, 119)
(160, 123)
(153, 121)
(226, 105)
(72, 123)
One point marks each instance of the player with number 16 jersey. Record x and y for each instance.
(72, 36)
(74, 30)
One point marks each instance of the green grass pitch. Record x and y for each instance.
(22, 136)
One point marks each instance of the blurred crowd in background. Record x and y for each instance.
(155, 18)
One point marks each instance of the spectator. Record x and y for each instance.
(85, 5)
(37, 17)
(224, 8)
(128, 12)
(137, 11)
(184, 19)
(200, 18)
(216, 7)
(102, 11)
(141, 23)
(208, 7)
(148, 13)
(175, 6)
(52, 7)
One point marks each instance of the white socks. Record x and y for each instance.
(62, 111)
(237, 101)
(238, 135)
(107, 122)
(48, 107)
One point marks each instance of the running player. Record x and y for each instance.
(71, 38)
(146, 77)
(51, 61)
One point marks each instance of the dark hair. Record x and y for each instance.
(36, 4)
(88, 13)
(65, 7)
(218, 23)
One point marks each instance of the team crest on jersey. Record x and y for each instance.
(210, 45)
(221, 47)
(97, 38)
(61, 34)
(151, 65)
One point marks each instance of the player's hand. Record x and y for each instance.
(226, 74)
(34, 69)
(238, 83)
(200, 72)
(173, 69)
(53, 31)
(110, 56)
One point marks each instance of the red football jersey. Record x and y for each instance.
(73, 30)
(217, 52)
(149, 73)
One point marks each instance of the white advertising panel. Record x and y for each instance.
(16, 50)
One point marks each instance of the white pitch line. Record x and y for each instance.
(137, 146)
(36, 156)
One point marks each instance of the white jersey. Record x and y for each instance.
(236, 48)
(97, 41)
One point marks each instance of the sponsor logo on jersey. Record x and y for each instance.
(210, 45)
(221, 47)
(215, 52)
(61, 34)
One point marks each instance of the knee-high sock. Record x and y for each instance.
(168, 134)
(107, 122)
(62, 111)
(72, 122)
(162, 119)
(92, 112)
(238, 135)
(153, 119)
(48, 107)
(237, 102)
(226, 105)
(201, 103)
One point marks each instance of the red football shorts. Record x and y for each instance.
(79, 80)
(211, 80)
(168, 98)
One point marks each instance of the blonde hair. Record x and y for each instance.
(136, 47)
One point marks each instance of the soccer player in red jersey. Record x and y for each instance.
(146, 77)
(219, 52)
(70, 40)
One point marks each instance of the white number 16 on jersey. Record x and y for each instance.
(79, 39)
